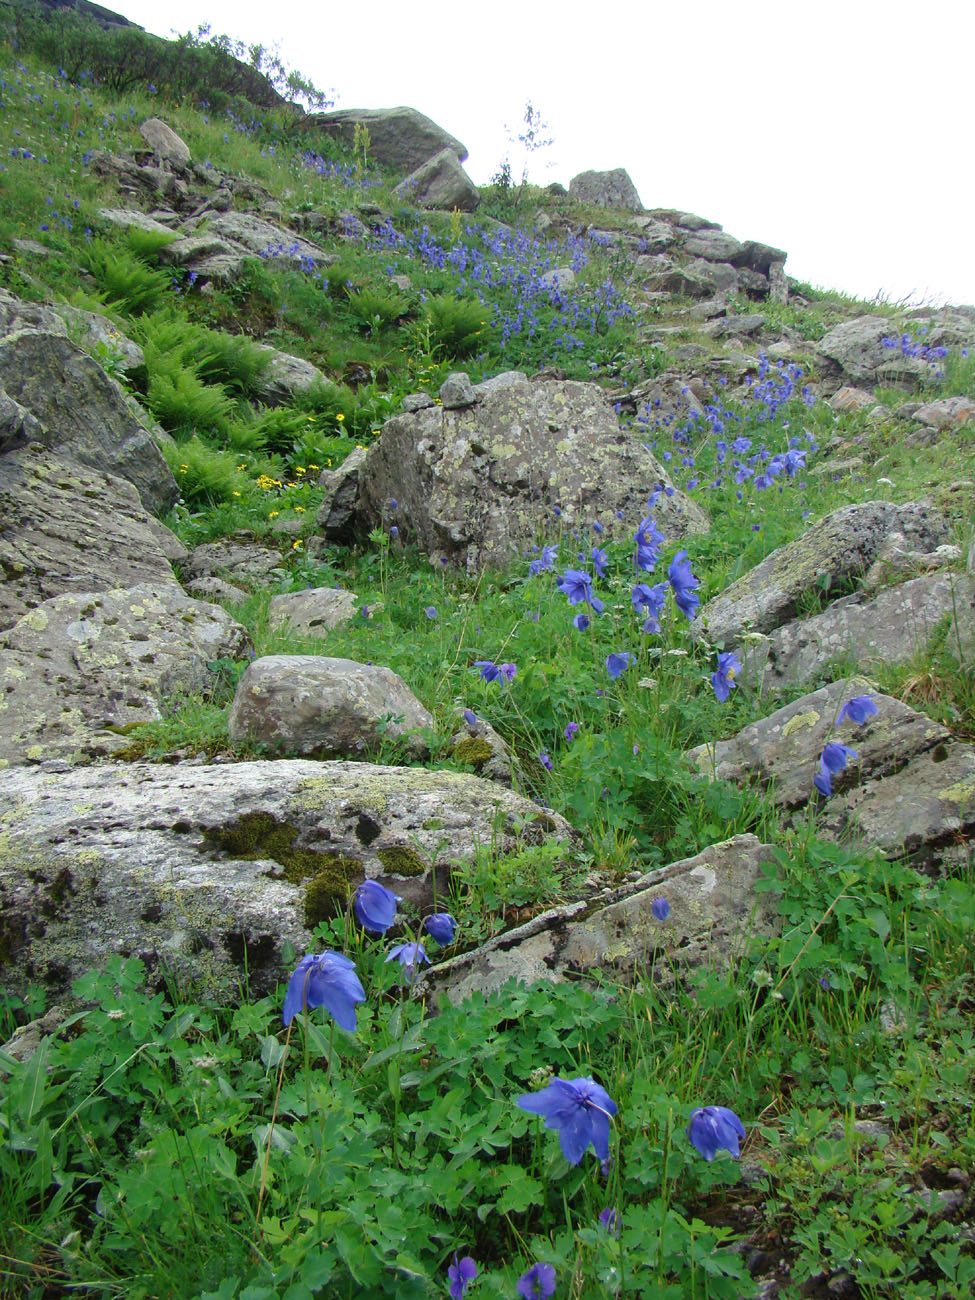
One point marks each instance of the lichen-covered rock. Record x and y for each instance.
(611, 189)
(64, 527)
(102, 339)
(832, 555)
(208, 872)
(440, 182)
(400, 139)
(286, 376)
(80, 670)
(237, 559)
(714, 909)
(476, 744)
(858, 351)
(313, 612)
(83, 413)
(890, 628)
(337, 512)
(164, 141)
(310, 704)
(712, 245)
(946, 413)
(475, 485)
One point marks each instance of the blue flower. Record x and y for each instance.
(461, 1273)
(470, 718)
(441, 927)
(618, 663)
(507, 671)
(579, 1109)
(545, 561)
(660, 908)
(649, 539)
(409, 956)
(578, 587)
(490, 672)
(538, 1283)
(724, 679)
(832, 760)
(581, 622)
(610, 1220)
(684, 583)
(713, 1129)
(328, 981)
(570, 731)
(857, 710)
(599, 561)
(545, 760)
(374, 906)
(651, 599)
(431, 611)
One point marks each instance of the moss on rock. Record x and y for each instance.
(401, 860)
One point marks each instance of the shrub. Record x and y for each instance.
(455, 325)
(124, 279)
(206, 476)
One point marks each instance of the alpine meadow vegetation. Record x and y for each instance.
(804, 1116)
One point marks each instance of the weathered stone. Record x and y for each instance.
(781, 753)
(559, 278)
(209, 872)
(164, 141)
(851, 399)
(456, 391)
(714, 909)
(83, 413)
(473, 485)
(126, 217)
(193, 250)
(399, 138)
(17, 426)
(857, 347)
(947, 413)
(152, 184)
(891, 628)
(739, 325)
(285, 377)
(214, 589)
(312, 705)
(440, 182)
(655, 236)
(758, 257)
(254, 236)
(78, 671)
(683, 220)
(337, 512)
(506, 379)
(896, 560)
(102, 339)
(479, 746)
(234, 558)
(611, 189)
(712, 245)
(64, 527)
(832, 554)
(17, 314)
(313, 612)
(753, 283)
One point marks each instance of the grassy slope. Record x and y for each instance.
(133, 1166)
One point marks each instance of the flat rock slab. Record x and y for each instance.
(320, 707)
(65, 527)
(473, 486)
(781, 753)
(235, 559)
(207, 872)
(313, 612)
(79, 670)
(83, 413)
(890, 628)
(714, 909)
(837, 550)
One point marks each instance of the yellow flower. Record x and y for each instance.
(240, 467)
(310, 466)
(300, 469)
(235, 494)
(274, 514)
(296, 546)
(299, 510)
(340, 417)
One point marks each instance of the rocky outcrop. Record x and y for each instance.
(164, 142)
(474, 484)
(859, 354)
(313, 612)
(400, 139)
(315, 706)
(611, 189)
(713, 910)
(440, 182)
(79, 671)
(67, 528)
(208, 873)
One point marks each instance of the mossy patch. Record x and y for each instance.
(472, 750)
(401, 860)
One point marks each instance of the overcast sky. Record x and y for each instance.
(839, 130)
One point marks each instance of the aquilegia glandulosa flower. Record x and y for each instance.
(328, 980)
(723, 680)
(857, 710)
(440, 927)
(409, 956)
(713, 1129)
(461, 1273)
(538, 1283)
(579, 1110)
(374, 906)
(832, 760)
(684, 584)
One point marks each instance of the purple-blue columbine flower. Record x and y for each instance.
(578, 587)
(684, 584)
(545, 760)
(441, 928)
(660, 908)
(579, 1110)
(723, 680)
(599, 561)
(461, 1273)
(713, 1129)
(431, 611)
(490, 672)
(610, 1220)
(581, 622)
(649, 539)
(538, 1283)
(832, 760)
(409, 956)
(570, 731)
(328, 980)
(374, 906)
(507, 671)
(857, 710)
(652, 600)
(470, 718)
(544, 561)
(618, 663)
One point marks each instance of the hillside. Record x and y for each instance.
(545, 584)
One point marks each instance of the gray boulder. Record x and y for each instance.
(714, 911)
(682, 220)
(64, 527)
(83, 413)
(337, 512)
(758, 257)
(712, 245)
(440, 182)
(285, 377)
(164, 142)
(612, 189)
(80, 670)
(474, 485)
(834, 553)
(946, 413)
(857, 349)
(313, 612)
(477, 744)
(102, 339)
(400, 139)
(320, 707)
(235, 559)
(17, 426)
(207, 872)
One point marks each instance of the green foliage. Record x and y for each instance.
(375, 310)
(206, 476)
(457, 327)
(124, 278)
(146, 245)
(181, 402)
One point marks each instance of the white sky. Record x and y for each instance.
(839, 130)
